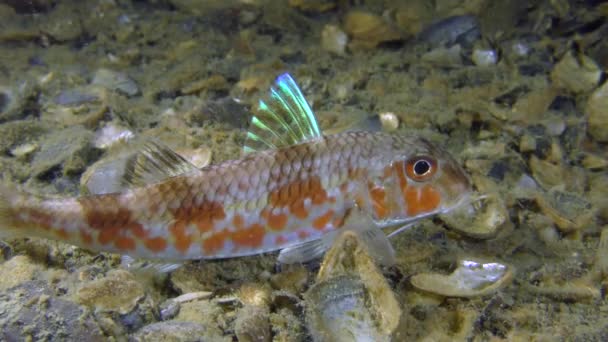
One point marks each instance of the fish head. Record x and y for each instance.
(427, 180)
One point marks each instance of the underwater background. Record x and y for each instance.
(515, 90)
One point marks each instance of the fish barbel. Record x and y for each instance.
(292, 186)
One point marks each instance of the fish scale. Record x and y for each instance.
(269, 199)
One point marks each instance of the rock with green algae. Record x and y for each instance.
(17, 270)
(118, 291)
(70, 149)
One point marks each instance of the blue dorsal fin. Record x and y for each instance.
(283, 119)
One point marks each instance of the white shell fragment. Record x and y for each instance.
(471, 278)
(484, 57)
(351, 300)
(110, 135)
(482, 219)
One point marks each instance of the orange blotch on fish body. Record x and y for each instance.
(323, 221)
(138, 230)
(280, 240)
(41, 218)
(238, 221)
(319, 197)
(204, 224)
(107, 235)
(290, 193)
(277, 222)
(157, 244)
(215, 242)
(182, 241)
(124, 243)
(253, 236)
(86, 237)
(378, 197)
(298, 209)
(421, 200)
(62, 233)
(302, 234)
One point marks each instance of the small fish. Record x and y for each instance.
(292, 187)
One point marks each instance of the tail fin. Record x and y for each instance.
(8, 196)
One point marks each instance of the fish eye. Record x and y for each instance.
(421, 168)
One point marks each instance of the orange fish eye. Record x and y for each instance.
(421, 168)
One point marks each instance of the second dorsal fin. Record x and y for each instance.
(283, 119)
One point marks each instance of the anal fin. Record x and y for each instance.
(152, 266)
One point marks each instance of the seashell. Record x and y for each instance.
(545, 173)
(597, 115)
(338, 310)
(482, 219)
(470, 279)
(577, 74)
(333, 39)
(252, 323)
(567, 210)
(368, 30)
(111, 135)
(349, 282)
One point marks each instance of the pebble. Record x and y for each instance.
(448, 31)
(597, 115)
(368, 30)
(389, 121)
(578, 74)
(484, 57)
(114, 80)
(333, 39)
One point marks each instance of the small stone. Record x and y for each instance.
(594, 162)
(483, 55)
(577, 74)
(110, 135)
(445, 57)
(545, 173)
(597, 113)
(368, 30)
(22, 151)
(389, 121)
(114, 80)
(333, 39)
(568, 211)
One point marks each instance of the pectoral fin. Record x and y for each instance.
(376, 242)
